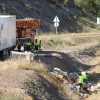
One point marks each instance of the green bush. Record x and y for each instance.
(27, 6)
(92, 4)
(81, 3)
(99, 13)
(65, 1)
(55, 1)
(78, 2)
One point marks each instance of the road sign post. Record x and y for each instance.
(56, 23)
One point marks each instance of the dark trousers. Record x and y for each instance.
(19, 48)
(28, 48)
(36, 49)
(85, 80)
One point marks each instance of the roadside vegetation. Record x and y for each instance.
(75, 15)
(58, 42)
(85, 20)
(91, 4)
(10, 97)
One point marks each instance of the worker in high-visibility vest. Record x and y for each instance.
(79, 82)
(36, 46)
(85, 78)
(19, 43)
(28, 43)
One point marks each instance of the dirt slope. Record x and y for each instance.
(27, 82)
(71, 59)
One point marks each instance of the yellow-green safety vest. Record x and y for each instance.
(80, 79)
(83, 74)
(28, 43)
(37, 43)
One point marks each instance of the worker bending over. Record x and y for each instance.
(85, 78)
(80, 83)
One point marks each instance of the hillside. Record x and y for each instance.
(73, 18)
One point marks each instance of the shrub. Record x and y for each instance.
(98, 12)
(27, 6)
(55, 1)
(81, 3)
(65, 1)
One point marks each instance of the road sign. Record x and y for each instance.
(56, 19)
(98, 20)
(56, 23)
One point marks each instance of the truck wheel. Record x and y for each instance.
(8, 52)
(1, 54)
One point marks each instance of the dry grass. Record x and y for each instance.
(13, 96)
(94, 97)
(70, 94)
(55, 42)
(96, 62)
(25, 65)
(96, 69)
(21, 64)
(60, 41)
(10, 97)
(41, 69)
(97, 53)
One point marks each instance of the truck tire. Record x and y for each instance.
(9, 52)
(1, 54)
(5, 53)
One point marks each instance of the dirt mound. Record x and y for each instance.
(27, 82)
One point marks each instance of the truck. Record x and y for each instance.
(25, 27)
(26, 30)
(11, 29)
(7, 34)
